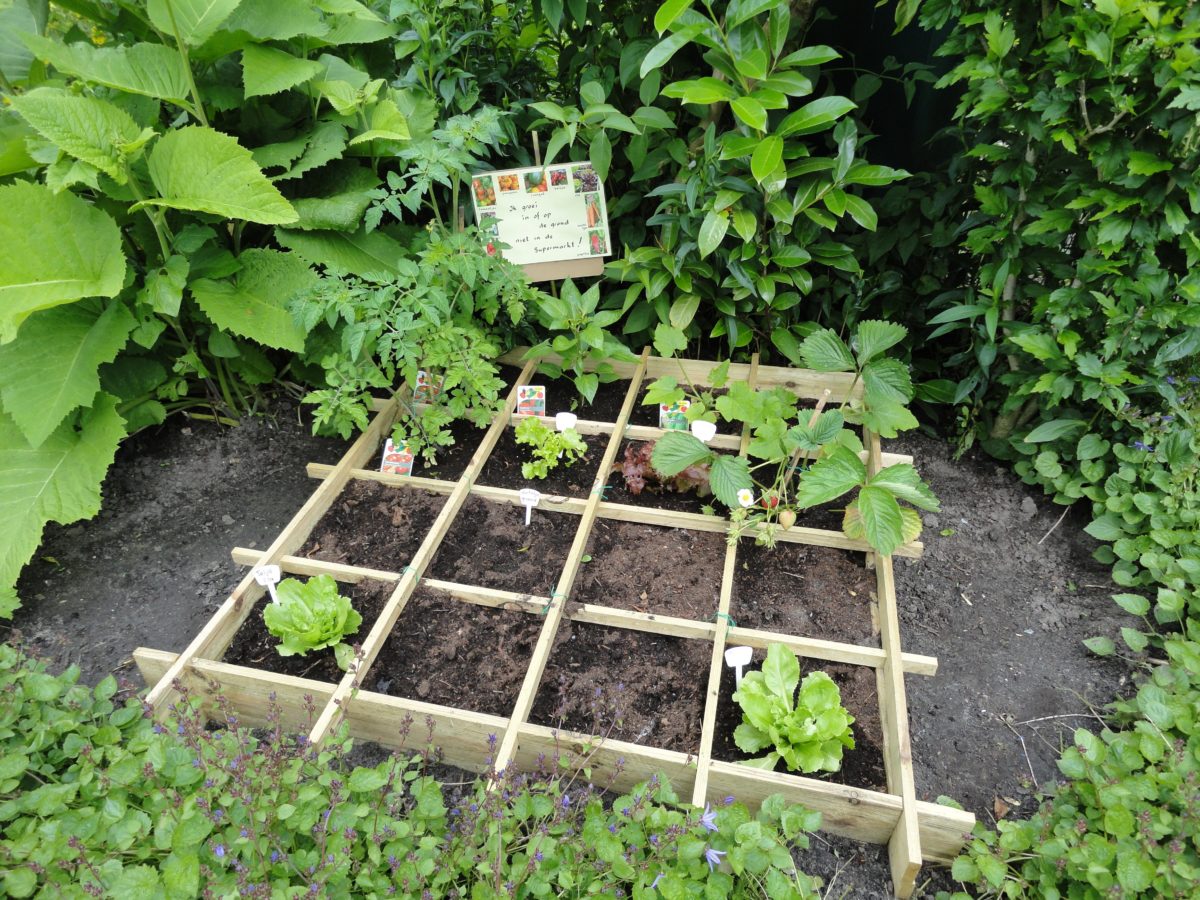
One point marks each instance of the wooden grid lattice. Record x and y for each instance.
(912, 830)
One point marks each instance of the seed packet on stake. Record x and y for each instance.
(397, 460)
(426, 391)
(531, 400)
(673, 416)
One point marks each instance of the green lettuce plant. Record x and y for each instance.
(310, 616)
(808, 731)
(550, 447)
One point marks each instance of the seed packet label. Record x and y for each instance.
(531, 400)
(425, 391)
(673, 416)
(397, 460)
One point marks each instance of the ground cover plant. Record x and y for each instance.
(98, 799)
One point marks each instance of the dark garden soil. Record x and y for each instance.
(815, 592)
(862, 767)
(503, 468)
(1002, 597)
(455, 653)
(651, 569)
(254, 646)
(451, 461)
(627, 685)
(490, 546)
(374, 525)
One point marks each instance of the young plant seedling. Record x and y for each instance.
(310, 616)
(550, 447)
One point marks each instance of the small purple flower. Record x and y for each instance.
(179, 730)
(539, 856)
(158, 729)
(245, 832)
(219, 850)
(612, 828)
(1170, 379)
(566, 802)
(709, 819)
(713, 857)
(1168, 418)
(1138, 445)
(274, 856)
(729, 800)
(654, 839)
(657, 879)
(1192, 379)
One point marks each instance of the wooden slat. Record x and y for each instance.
(414, 570)
(904, 844)
(801, 382)
(811, 648)
(215, 636)
(712, 694)
(463, 736)
(554, 610)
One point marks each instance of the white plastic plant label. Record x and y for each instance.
(531, 400)
(703, 430)
(529, 499)
(268, 577)
(397, 460)
(673, 416)
(737, 658)
(565, 420)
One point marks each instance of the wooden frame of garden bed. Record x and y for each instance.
(912, 830)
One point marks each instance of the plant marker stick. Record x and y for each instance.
(737, 658)
(268, 577)
(529, 499)
(704, 431)
(565, 420)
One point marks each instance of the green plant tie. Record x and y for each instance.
(550, 602)
(602, 491)
(727, 617)
(416, 575)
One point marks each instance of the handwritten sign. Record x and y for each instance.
(548, 214)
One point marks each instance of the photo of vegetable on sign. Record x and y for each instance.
(548, 214)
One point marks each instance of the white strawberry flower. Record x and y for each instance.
(745, 497)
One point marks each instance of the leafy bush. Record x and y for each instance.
(310, 616)
(550, 447)
(1125, 821)
(98, 800)
(808, 731)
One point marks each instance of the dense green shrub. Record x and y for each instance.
(96, 799)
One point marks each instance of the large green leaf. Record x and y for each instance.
(342, 202)
(386, 123)
(203, 170)
(675, 451)
(84, 127)
(712, 231)
(824, 351)
(266, 70)
(53, 366)
(781, 672)
(881, 519)
(326, 144)
(729, 475)
(361, 253)
(903, 481)
(148, 69)
(887, 379)
(277, 20)
(16, 20)
(14, 151)
(59, 481)
(815, 116)
(56, 248)
(194, 21)
(874, 336)
(256, 305)
(830, 477)
(660, 54)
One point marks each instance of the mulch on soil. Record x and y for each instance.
(627, 685)
(796, 589)
(862, 767)
(254, 646)
(489, 545)
(503, 468)
(373, 525)
(455, 653)
(652, 569)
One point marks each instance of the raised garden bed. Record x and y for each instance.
(515, 641)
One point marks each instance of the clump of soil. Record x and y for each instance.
(651, 569)
(503, 468)
(862, 767)
(631, 686)
(254, 646)
(373, 525)
(455, 653)
(796, 589)
(489, 545)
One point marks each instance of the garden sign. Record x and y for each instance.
(550, 220)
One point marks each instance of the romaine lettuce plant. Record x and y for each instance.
(808, 732)
(550, 447)
(312, 616)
